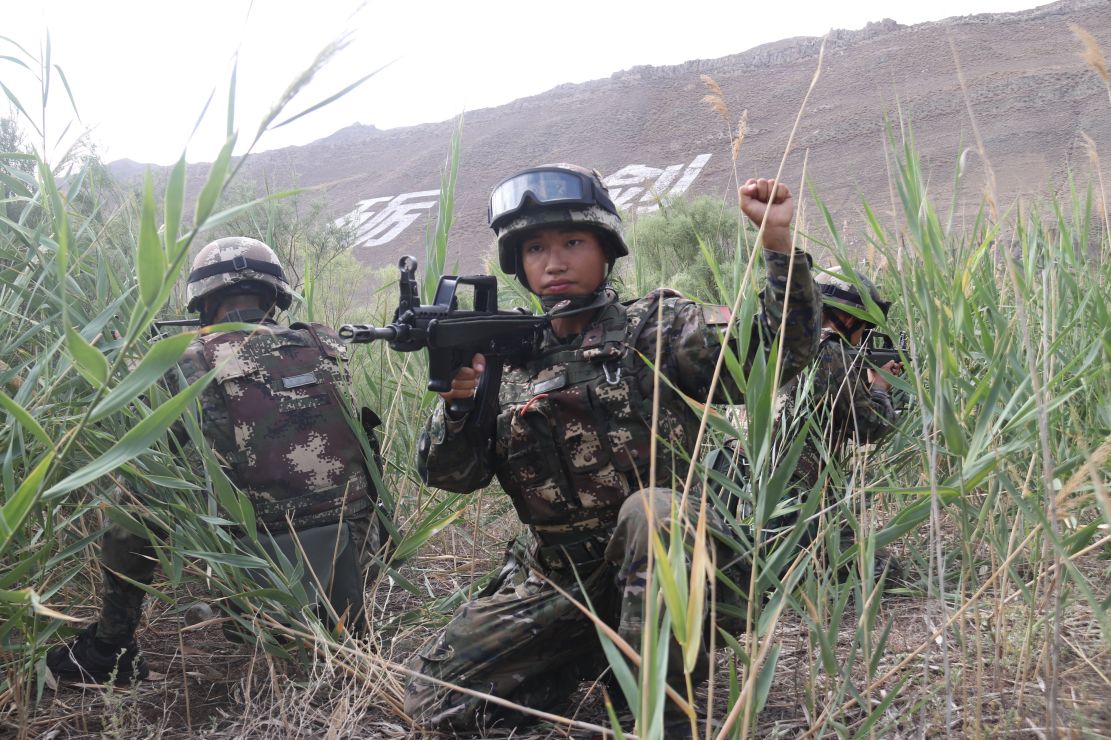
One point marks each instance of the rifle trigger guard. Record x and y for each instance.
(613, 377)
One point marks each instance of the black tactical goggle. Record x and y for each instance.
(543, 186)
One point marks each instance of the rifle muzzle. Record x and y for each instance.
(366, 333)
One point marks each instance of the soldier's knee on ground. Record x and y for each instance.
(658, 500)
(631, 534)
(433, 706)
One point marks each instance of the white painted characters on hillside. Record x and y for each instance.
(642, 187)
(378, 221)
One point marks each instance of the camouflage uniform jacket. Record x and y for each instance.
(843, 407)
(278, 415)
(574, 430)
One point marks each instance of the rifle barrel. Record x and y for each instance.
(366, 333)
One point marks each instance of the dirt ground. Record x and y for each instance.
(204, 686)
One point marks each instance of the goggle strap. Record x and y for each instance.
(237, 264)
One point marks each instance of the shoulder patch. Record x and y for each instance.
(714, 315)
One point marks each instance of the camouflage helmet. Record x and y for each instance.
(839, 290)
(552, 195)
(234, 260)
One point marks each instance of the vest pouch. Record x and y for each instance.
(627, 433)
(531, 473)
(586, 451)
(584, 439)
(526, 463)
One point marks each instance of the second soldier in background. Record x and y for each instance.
(278, 416)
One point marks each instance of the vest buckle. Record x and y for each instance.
(613, 377)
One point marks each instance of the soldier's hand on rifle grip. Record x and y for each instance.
(465, 382)
(877, 381)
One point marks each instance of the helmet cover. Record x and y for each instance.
(236, 260)
(600, 215)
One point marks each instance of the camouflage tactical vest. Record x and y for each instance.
(574, 433)
(294, 450)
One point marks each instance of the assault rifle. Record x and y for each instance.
(453, 335)
(879, 349)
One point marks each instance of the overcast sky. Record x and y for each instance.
(141, 70)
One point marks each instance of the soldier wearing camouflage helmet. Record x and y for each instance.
(236, 265)
(851, 401)
(573, 440)
(847, 401)
(277, 416)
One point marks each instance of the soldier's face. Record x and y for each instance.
(563, 261)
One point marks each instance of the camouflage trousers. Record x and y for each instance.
(527, 643)
(124, 553)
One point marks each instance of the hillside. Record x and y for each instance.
(648, 129)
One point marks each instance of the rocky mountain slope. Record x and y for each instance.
(649, 130)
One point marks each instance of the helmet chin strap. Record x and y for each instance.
(208, 312)
(561, 306)
(582, 301)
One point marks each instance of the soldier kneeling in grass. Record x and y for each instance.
(846, 398)
(573, 440)
(278, 416)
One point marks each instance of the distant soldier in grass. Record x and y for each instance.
(847, 400)
(572, 441)
(278, 415)
(851, 401)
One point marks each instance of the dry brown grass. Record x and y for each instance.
(1093, 52)
(204, 686)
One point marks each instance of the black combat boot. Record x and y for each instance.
(91, 660)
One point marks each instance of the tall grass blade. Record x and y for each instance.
(151, 258)
(136, 441)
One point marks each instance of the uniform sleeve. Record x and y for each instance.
(694, 343)
(449, 458)
(865, 414)
(792, 303)
(214, 412)
(692, 352)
